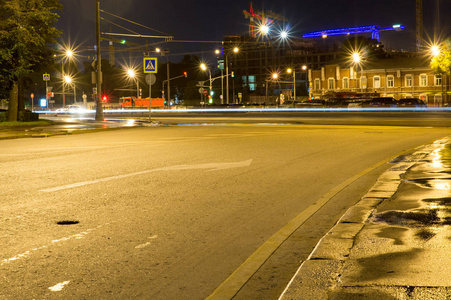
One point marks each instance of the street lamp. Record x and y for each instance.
(275, 77)
(436, 52)
(289, 71)
(304, 70)
(131, 73)
(235, 50)
(217, 52)
(356, 58)
(68, 54)
(205, 68)
(69, 81)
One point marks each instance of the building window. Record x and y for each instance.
(376, 82)
(345, 82)
(409, 81)
(390, 81)
(331, 84)
(317, 85)
(252, 85)
(438, 79)
(423, 80)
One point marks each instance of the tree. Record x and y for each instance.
(26, 31)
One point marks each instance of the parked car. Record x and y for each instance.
(383, 102)
(311, 103)
(411, 102)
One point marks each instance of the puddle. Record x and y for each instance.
(423, 217)
(431, 176)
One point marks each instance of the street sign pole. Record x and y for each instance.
(150, 100)
(150, 66)
(32, 97)
(47, 95)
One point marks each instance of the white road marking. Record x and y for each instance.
(146, 244)
(142, 245)
(58, 287)
(29, 252)
(209, 167)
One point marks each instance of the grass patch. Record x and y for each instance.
(9, 125)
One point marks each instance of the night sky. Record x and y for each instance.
(203, 20)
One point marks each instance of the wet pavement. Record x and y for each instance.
(395, 243)
(65, 126)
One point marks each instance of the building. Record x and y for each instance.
(258, 59)
(399, 77)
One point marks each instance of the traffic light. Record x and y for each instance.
(233, 74)
(105, 98)
(123, 42)
(186, 74)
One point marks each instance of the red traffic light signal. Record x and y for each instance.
(105, 99)
(186, 74)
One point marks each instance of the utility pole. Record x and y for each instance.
(99, 108)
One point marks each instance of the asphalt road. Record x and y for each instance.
(172, 212)
(389, 117)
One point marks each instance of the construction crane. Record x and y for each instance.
(419, 24)
(374, 29)
(266, 17)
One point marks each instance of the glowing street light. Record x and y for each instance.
(68, 54)
(284, 34)
(289, 71)
(68, 80)
(304, 71)
(435, 50)
(234, 50)
(205, 68)
(357, 59)
(264, 29)
(131, 73)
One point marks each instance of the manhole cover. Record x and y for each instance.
(67, 222)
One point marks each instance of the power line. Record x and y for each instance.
(119, 26)
(135, 23)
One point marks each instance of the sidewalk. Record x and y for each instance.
(394, 243)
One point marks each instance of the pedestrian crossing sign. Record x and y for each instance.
(150, 65)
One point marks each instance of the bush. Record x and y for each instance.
(27, 116)
(24, 116)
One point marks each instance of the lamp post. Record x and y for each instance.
(204, 68)
(131, 73)
(217, 52)
(235, 50)
(289, 71)
(436, 52)
(356, 58)
(68, 54)
(275, 77)
(304, 70)
(69, 81)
